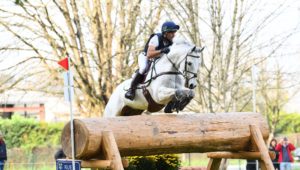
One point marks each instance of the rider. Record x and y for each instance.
(157, 45)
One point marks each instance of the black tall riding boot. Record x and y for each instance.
(138, 78)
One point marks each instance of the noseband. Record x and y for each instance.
(185, 72)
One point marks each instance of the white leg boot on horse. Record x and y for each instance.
(179, 98)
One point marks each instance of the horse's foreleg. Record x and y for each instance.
(186, 100)
(165, 95)
(171, 106)
(178, 98)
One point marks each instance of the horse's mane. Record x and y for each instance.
(180, 47)
(178, 41)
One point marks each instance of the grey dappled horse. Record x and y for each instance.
(170, 82)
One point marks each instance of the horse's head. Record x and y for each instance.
(186, 59)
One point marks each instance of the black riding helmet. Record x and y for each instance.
(169, 26)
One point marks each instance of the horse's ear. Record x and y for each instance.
(194, 49)
(201, 49)
(198, 50)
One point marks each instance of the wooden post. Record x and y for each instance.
(25, 111)
(42, 112)
(111, 151)
(238, 155)
(262, 165)
(260, 143)
(105, 164)
(214, 164)
(224, 163)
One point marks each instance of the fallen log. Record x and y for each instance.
(162, 134)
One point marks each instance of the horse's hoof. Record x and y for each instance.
(169, 108)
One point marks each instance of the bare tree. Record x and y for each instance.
(231, 39)
(99, 36)
(276, 89)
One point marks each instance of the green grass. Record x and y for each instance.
(194, 160)
(29, 167)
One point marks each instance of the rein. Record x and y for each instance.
(177, 72)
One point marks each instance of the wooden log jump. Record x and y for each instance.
(110, 138)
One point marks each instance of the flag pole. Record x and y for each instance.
(254, 79)
(71, 114)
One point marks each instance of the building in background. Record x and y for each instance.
(34, 105)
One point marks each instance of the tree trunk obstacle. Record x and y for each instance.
(100, 142)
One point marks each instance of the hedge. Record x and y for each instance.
(27, 133)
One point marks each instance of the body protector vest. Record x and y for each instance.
(162, 42)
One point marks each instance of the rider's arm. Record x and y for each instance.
(152, 52)
(153, 44)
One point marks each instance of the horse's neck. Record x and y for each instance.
(161, 68)
(164, 65)
(168, 63)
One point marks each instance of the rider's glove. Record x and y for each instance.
(165, 50)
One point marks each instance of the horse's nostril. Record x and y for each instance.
(192, 86)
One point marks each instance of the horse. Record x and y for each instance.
(170, 83)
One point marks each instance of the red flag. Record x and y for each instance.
(64, 63)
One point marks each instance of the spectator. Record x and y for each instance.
(285, 156)
(272, 147)
(3, 154)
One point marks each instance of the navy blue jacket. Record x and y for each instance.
(161, 44)
(3, 154)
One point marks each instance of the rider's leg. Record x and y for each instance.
(144, 64)
(139, 77)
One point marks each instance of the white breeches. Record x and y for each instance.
(144, 63)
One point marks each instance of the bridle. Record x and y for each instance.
(183, 73)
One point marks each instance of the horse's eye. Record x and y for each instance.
(189, 63)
